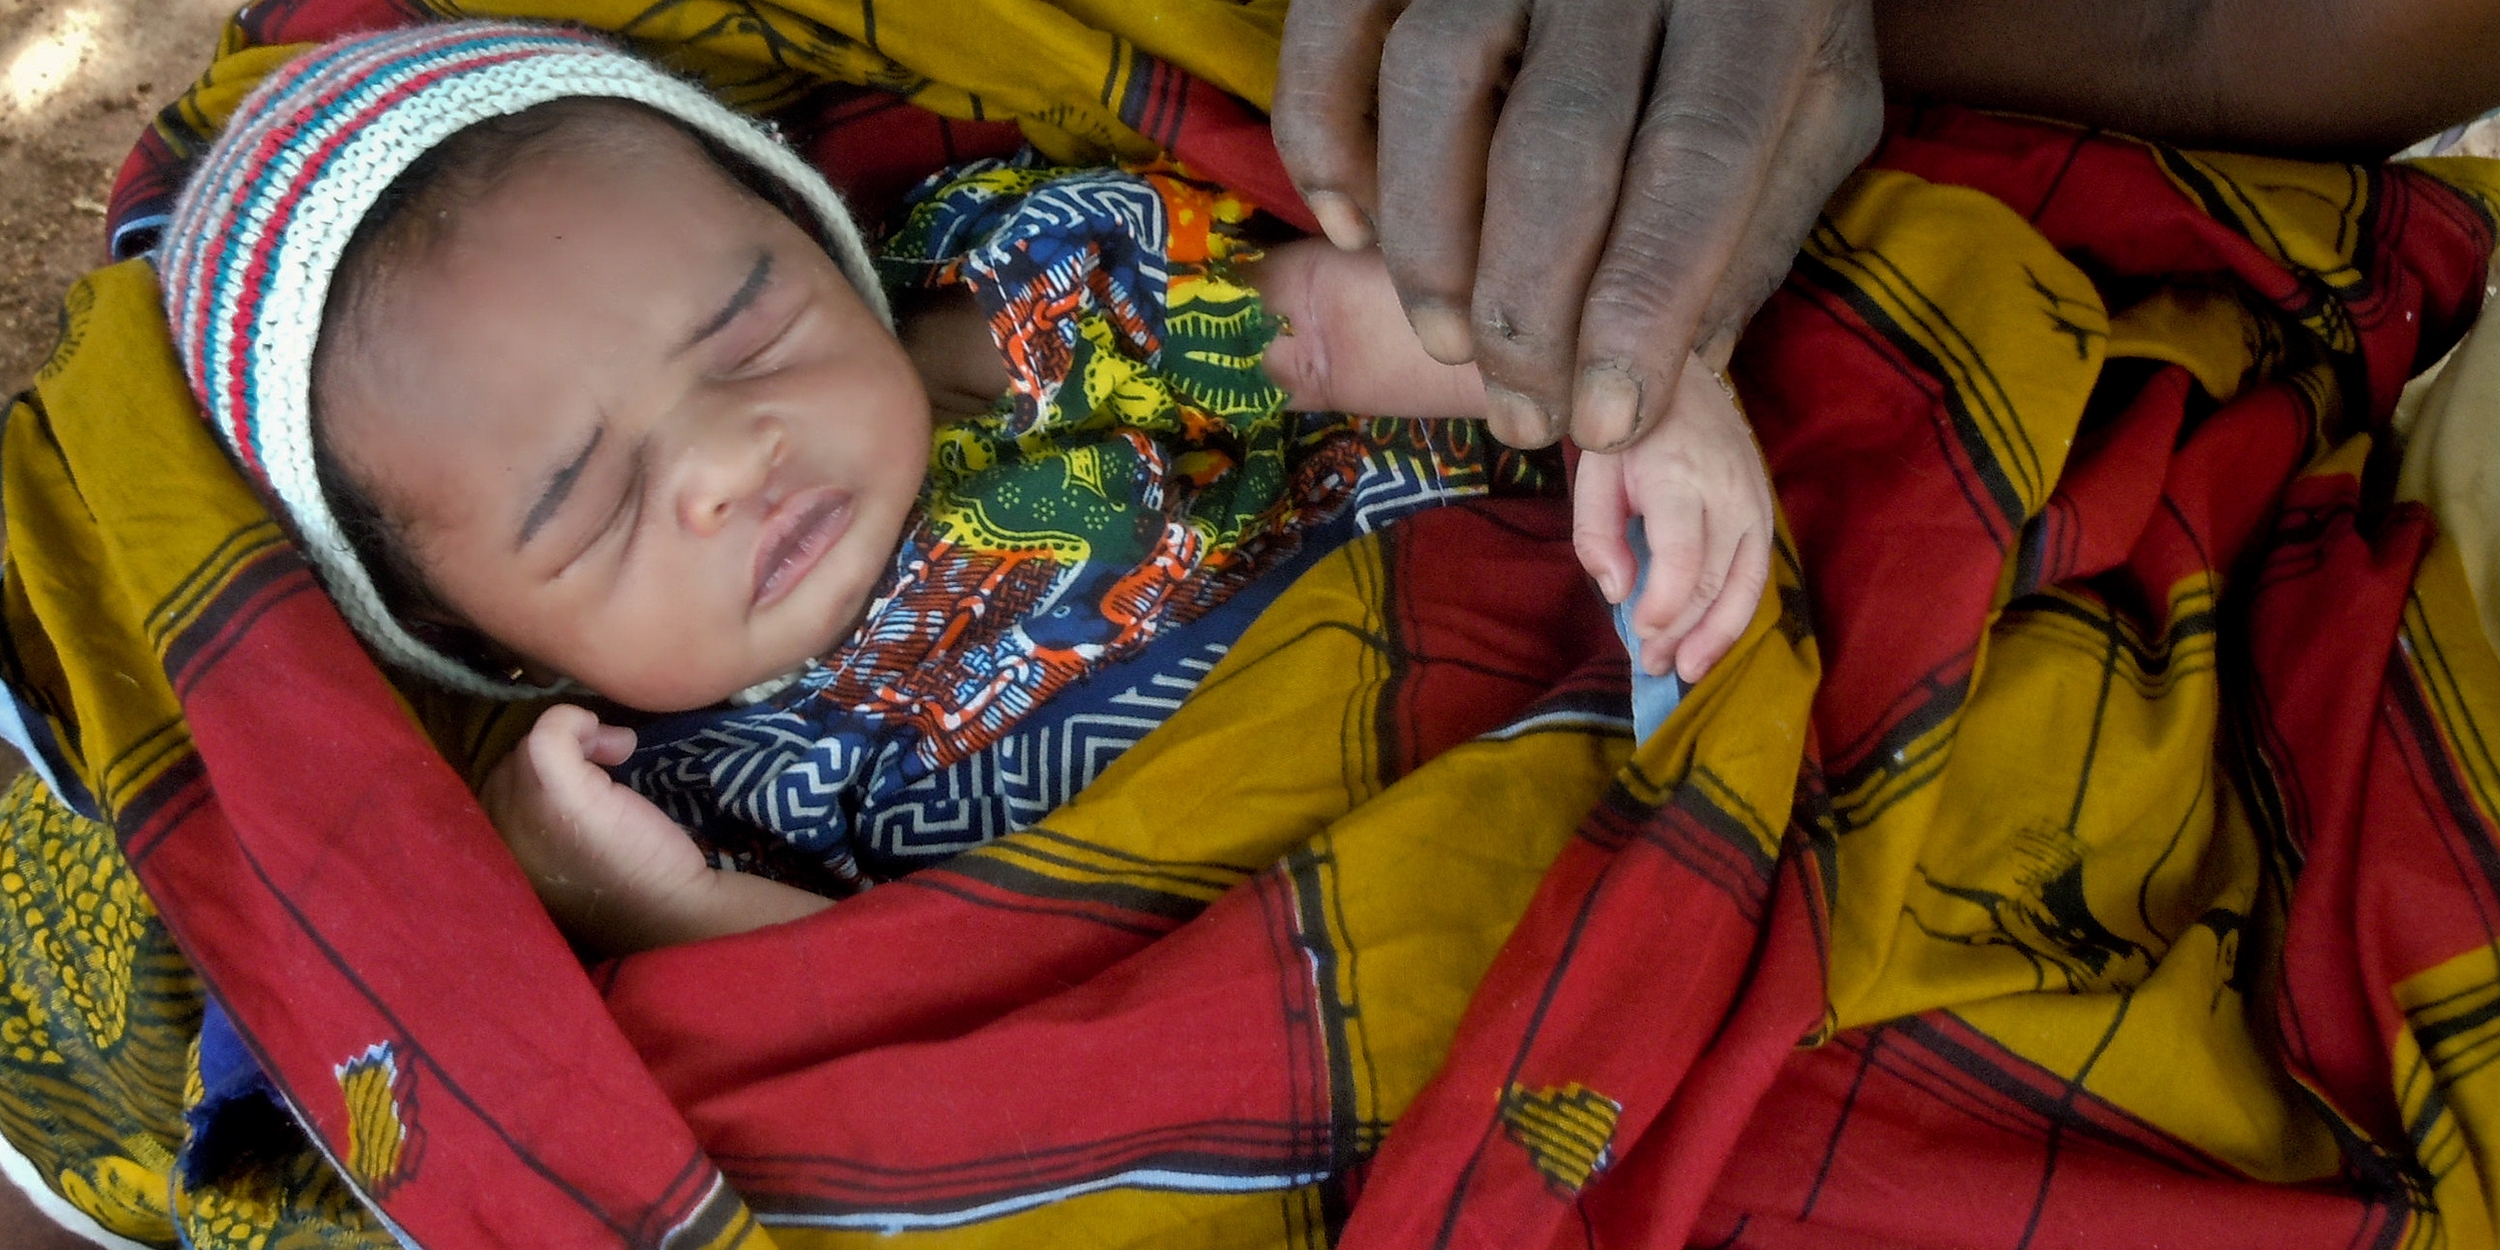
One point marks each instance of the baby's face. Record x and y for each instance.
(642, 431)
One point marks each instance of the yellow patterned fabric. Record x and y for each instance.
(101, 1036)
(1087, 83)
(2100, 795)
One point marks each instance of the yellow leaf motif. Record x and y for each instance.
(123, 1195)
(1084, 469)
(1568, 1132)
(380, 1118)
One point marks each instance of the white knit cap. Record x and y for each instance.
(257, 234)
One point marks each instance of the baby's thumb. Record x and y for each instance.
(1599, 510)
(608, 745)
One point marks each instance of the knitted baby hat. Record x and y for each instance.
(258, 231)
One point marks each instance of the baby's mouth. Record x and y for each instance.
(797, 533)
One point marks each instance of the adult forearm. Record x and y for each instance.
(2291, 75)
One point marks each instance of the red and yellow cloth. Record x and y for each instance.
(2091, 843)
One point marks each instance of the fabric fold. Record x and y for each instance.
(2091, 839)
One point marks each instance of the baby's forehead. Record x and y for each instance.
(592, 251)
(559, 149)
(592, 129)
(635, 153)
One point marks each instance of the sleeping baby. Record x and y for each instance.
(571, 380)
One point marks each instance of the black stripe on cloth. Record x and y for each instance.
(1318, 926)
(1024, 891)
(829, 1184)
(1991, 486)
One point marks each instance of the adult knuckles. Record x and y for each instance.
(1848, 107)
(1718, 126)
(1626, 316)
(1847, 46)
(1587, 76)
(1509, 329)
(1324, 88)
(1440, 48)
(1318, 27)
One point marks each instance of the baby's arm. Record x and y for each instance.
(1346, 348)
(616, 873)
(1696, 479)
(1346, 345)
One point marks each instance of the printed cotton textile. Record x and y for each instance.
(2100, 798)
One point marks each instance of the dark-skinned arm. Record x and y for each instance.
(2344, 77)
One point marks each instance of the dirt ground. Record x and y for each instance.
(78, 80)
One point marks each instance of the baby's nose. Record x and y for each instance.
(727, 466)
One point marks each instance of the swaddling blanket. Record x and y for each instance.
(2091, 842)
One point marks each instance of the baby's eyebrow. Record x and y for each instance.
(738, 302)
(559, 486)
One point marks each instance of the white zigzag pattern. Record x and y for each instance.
(1393, 487)
(1027, 775)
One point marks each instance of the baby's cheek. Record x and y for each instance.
(653, 656)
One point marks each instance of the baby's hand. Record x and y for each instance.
(1698, 485)
(614, 871)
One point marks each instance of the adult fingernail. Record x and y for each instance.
(1443, 332)
(1518, 420)
(1605, 407)
(1343, 223)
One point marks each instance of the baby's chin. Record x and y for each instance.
(655, 700)
(664, 687)
(665, 696)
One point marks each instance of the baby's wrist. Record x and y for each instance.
(710, 903)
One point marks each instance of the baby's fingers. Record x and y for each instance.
(1599, 510)
(1729, 613)
(1665, 614)
(1683, 574)
(567, 747)
(609, 745)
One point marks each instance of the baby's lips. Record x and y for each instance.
(795, 535)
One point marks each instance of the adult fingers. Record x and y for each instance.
(1443, 72)
(1838, 119)
(1599, 511)
(1551, 175)
(1730, 613)
(1327, 78)
(1727, 81)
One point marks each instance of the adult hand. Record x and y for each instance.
(1576, 193)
